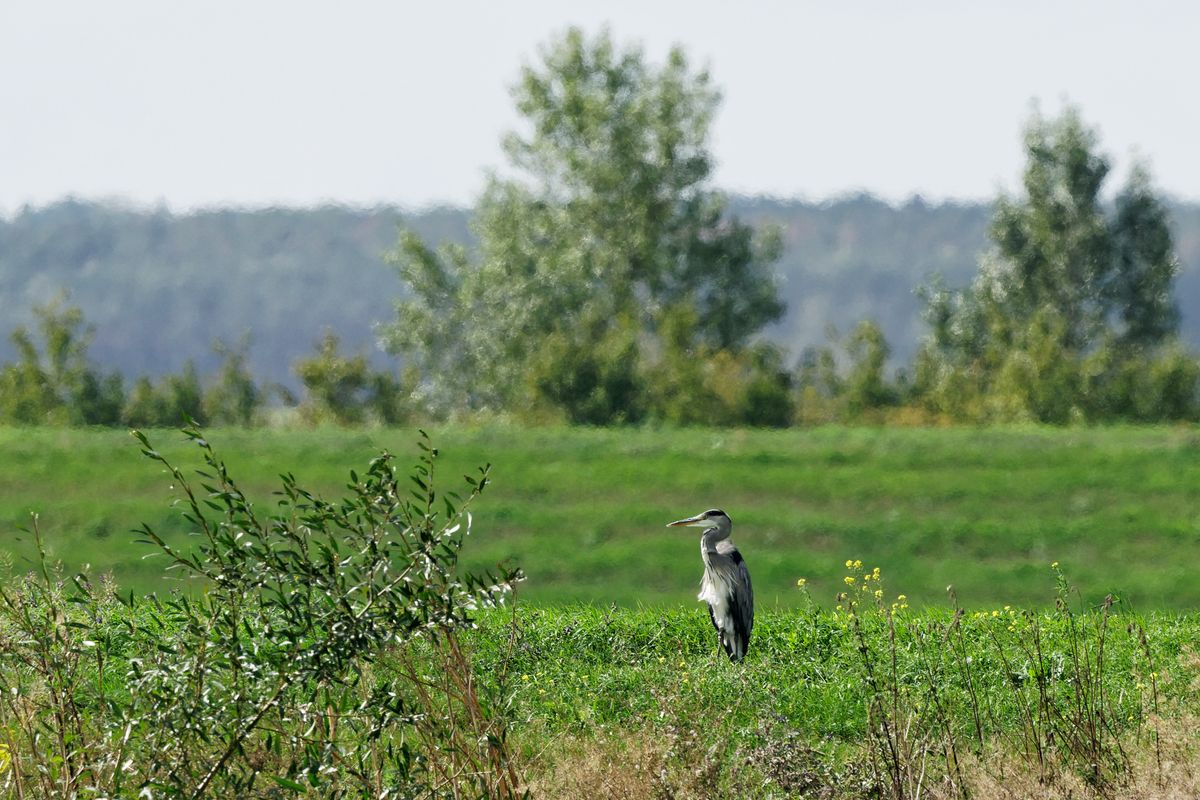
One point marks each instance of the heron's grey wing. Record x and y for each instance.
(743, 603)
(738, 616)
(744, 611)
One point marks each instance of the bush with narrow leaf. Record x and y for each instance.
(296, 657)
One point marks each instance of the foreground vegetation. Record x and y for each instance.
(582, 510)
(323, 652)
(875, 700)
(343, 649)
(885, 702)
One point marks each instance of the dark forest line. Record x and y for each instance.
(160, 288)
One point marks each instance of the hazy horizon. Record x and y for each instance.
(280, 104)
(148, 207)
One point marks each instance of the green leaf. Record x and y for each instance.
(287, 783)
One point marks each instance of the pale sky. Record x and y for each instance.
(253, 103)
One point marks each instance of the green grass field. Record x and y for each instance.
(643, 700)
(583, 511)
(1033, 686)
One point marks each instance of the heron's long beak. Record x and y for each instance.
(680, 523)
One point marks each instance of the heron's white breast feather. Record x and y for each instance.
(715, 591)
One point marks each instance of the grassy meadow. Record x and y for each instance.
(992, 703)
(583, 510)
(607, 677)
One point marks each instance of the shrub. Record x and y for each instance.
(302, 662)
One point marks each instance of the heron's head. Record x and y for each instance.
(713, 518)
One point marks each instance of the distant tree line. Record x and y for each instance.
(285, 276)
(55, 383)
(610, 284)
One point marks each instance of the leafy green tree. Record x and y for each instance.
(1147, 265)
(55, 383)
(177, 399)
(865, 386)
(233, 398)
(681, 390)
(1162, 385)
(1055, 244)
(144, 408)
(335, 385)
(846, 379)
(699, 384)
(765, 389)
(98, 399)
(26, 395)
(344, 389)
(593, 379)
(819, 382)
(389, 397)
(601, 228)
(1038, 379)
(1067, 275)
(185, 397)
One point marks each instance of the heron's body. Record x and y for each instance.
(725, 586)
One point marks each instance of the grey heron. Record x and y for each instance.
(726, 582)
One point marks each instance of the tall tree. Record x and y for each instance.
(1143, 290)
(1059, 250)
(601, 227)
(1068, 274)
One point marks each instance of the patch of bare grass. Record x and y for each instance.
(644, 764)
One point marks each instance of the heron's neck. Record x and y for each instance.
(710, 537)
